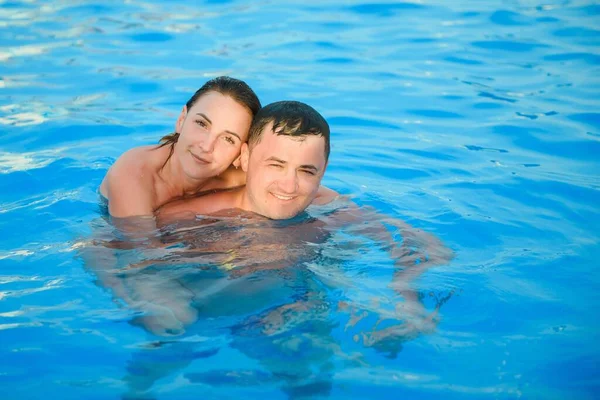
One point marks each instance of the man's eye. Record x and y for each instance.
(308, 171)
(276, 165)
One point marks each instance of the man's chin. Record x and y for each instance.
(283, 214)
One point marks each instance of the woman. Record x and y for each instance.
(208, 136)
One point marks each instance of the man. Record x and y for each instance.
(284, 160)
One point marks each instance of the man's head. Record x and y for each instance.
(285, 159)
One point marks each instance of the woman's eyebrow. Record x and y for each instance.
(210, 122)
(235, 134)
(205, 117)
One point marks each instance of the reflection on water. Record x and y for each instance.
(291, 295)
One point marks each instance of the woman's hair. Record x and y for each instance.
(227, 86)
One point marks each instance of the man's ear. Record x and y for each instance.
(244, 155)
(181, 119)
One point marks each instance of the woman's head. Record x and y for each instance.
(236, 89)
(212, 126)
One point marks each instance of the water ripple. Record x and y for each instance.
(510, 18)
(52, 284)
(508, 45)
(385, 9)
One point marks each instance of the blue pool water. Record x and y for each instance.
(478, 122)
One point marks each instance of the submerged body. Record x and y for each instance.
(235, 244)
(295, 295)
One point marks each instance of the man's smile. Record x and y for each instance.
(283, 197)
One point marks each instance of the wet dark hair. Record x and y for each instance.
(236, 89)
(291, 118)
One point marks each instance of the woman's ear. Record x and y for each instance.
(237, 162)
(181, 119)
(244, 155)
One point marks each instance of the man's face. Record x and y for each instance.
(283, 173)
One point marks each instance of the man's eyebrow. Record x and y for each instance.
(304, 166)
(309, 166)
(280, 161)
(210, 122)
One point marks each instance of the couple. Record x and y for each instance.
(276, 275)
(282, 150)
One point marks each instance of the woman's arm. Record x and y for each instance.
(129, 186)
(129, 189)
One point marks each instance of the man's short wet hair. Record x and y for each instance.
(291, 118)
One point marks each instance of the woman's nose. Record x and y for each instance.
(207, 143)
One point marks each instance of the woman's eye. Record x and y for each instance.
(202, 123)
(229, 140)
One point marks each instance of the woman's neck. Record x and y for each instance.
(174, 181)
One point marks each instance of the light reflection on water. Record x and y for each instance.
(477, 122)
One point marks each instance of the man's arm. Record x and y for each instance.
(414, 247)
(413, 252)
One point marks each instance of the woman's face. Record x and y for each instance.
(211, 134)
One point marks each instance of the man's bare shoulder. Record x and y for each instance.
(325, 195)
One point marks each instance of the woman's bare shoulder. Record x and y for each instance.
(142, 156)
(134, 167)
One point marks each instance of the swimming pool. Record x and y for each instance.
(475, 121)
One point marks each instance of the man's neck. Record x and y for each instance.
(241, 199)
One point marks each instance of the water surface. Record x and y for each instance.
(475, 121)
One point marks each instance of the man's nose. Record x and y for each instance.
(289, 182)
